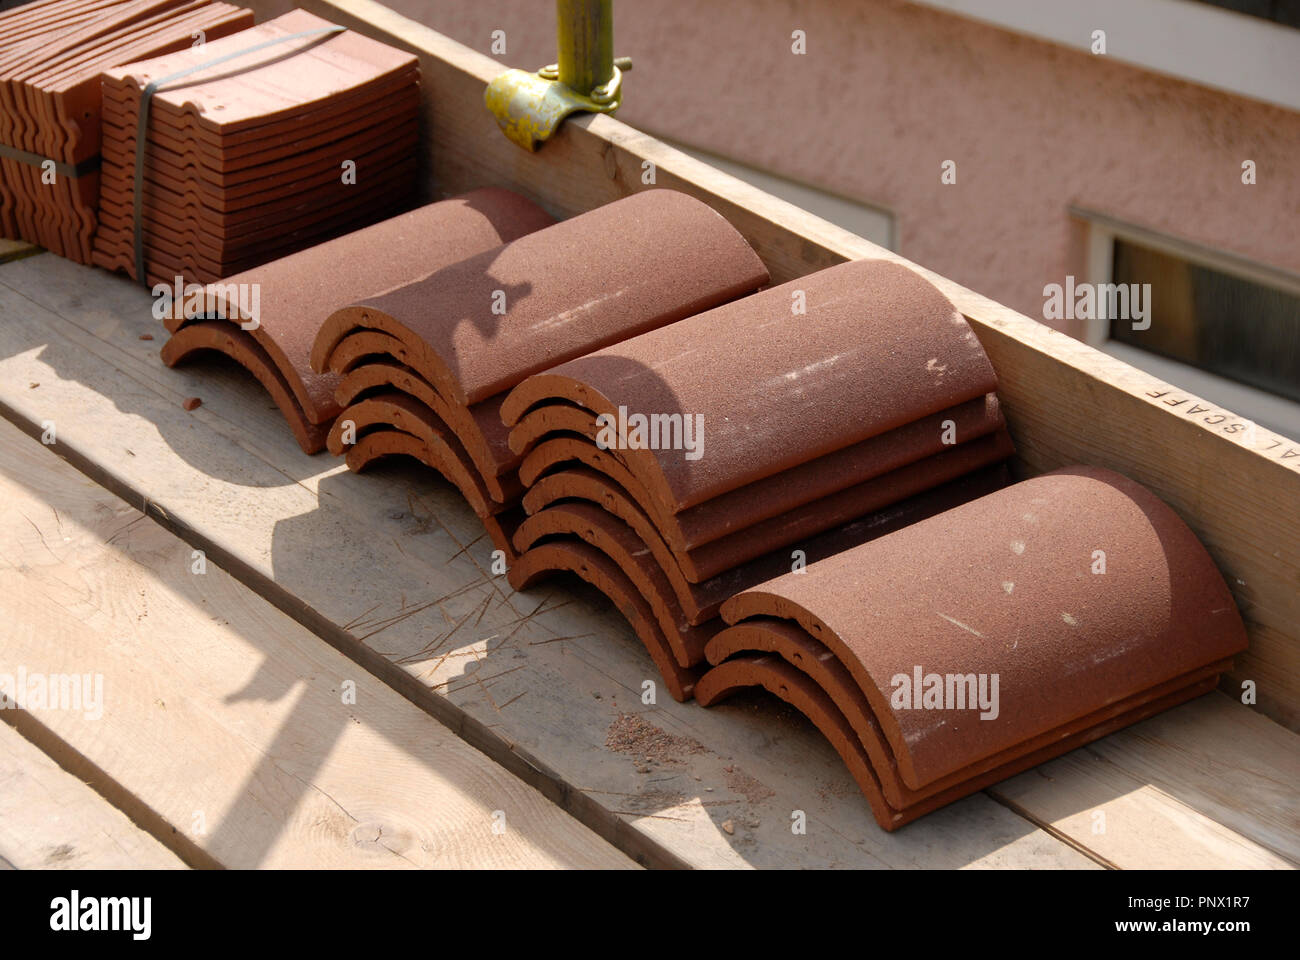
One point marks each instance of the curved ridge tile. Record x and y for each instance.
(879, 347)
(782, 680)
(702, 601)
(372, 446)
(662, 256)
(767, 498)
(243, 349)
(745, 545)
(698, 602)
(614, 538)
(405, 413)
(479, 428)
(297, 292)
(796, 688)
(557, 451)
(602, 573)
(1004, 587)
(361, 345)
(796, 647)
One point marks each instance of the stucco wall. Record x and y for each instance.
(888, 91)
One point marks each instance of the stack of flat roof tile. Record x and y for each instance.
(257, 156)
(51, 56)
(822, 410)
(426, 366)
(296, 293)
(976, 644)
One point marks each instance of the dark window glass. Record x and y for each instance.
(1279, 11)
(1216, 321)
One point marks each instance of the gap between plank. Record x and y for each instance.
(1049, 828)
(75, 763)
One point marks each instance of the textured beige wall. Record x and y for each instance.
(888, 90)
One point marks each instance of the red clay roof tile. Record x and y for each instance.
(1006, 586)
(478, 428)
(604, 574)
(783, 680)
(483, 325)
(879, 348)
(700, 602)
(792, 488)
(392, 408)
(618, 541)
(297, 292)
(227, 338)
(803, 652)
(748, 541)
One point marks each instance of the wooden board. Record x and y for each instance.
(1066, 402)
(247, 740)
(15, 249)
(540, 680)
(50, 820)
(1210, 784)
(389, 566)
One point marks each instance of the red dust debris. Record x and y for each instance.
(740, 782)
(630, 734)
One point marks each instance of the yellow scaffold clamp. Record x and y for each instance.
(530, 106)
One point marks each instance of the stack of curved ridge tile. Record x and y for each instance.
(51, 57)
(271, 333)
(426, 367)
(820, 409)
(258, 156)
(983, 641)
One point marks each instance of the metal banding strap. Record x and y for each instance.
(72, 171)
(146, 98)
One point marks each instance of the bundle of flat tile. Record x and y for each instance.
(709, 455)
(267, 318)
(983, 641)
(426, 366)
(256, 146)
(51, 56)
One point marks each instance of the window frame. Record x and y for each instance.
(1263, 406)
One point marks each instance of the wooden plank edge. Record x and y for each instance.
(1049, 828)
(25, 723)
(17, 249)
(61, 822)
